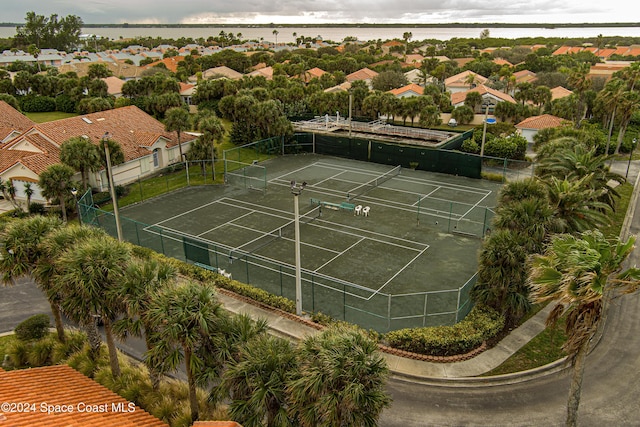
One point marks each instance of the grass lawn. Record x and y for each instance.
(543, 349)
(4, 343)
(49, 117)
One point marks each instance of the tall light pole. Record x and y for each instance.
(484, 128)
(296, 190)
(112, 186)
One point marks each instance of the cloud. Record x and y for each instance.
(313, 11)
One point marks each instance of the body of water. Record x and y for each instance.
(337, 34)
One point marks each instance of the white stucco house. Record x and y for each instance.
(146, 145)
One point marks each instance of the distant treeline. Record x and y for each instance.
(356, 25)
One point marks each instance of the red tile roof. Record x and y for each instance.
(11, 120)
(559, 92)
(458, 97)
(73, 399)
(361, 74)
(132, 128)
(171, 63)
(418, 90)
(541, 122)
(459, 80)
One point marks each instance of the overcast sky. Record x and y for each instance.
(325, 11)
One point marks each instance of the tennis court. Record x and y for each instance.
(410, 261)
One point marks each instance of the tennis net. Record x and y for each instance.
(370, 185)
(285, 231)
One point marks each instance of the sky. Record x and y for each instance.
(324, 11)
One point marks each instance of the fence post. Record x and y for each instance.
(504, 170)
(425, 312)
(388, 312)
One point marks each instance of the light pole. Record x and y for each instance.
(296, 190)
(484, 129)
(633, 147)
(112, 187)
(74, 191)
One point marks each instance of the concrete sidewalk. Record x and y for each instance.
(401, 366)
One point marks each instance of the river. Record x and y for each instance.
(337, 34)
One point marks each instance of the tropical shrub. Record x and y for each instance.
(480, 325)
(33, 328)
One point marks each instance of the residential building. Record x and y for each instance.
(490, 97)
(530, 126)
(409, 90)
(146, 145)
(461, 81)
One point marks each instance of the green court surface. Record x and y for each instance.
(409, 262)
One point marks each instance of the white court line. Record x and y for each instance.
(223, 224)
(383, 203)
(326, 179)
(398, 272)
(362, 233)
(185, 213)
(339, 254)
(473, 207)
(425, 196)
(264, 258)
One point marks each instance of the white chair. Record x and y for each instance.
(357, 210)
(365, 210)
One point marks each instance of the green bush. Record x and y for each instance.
(470, 146)
(34, 328)
(38, 104)
(480, 325)
(490, 176)
(36, 208)
(65, 104)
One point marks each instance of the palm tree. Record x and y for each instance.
(183, 315)
(91, 271)
(502, 275)
(609, 98)
(521, 190)
(340, 381)
(21, 252)
(81, 155)
(28, 191)
(576, 204)
(532, 217)
(275, 33)
(56, 183)
(177, 119)
(47, 271)
(629, 104)
(257, 382)
(577, 162)
(224, 347)
(575, 274)
(143, 279)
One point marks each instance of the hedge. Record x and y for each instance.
(33, 328)
(207, 276)
(481, 324)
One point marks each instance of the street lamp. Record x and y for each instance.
(484, 129)
(74, 191)
(112, 186)
(296, 190)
